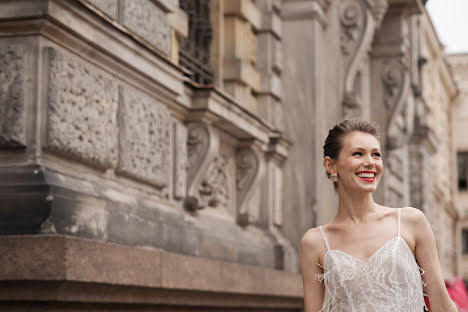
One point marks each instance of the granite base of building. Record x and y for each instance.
(62, 273)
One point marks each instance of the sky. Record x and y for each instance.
(450, 18)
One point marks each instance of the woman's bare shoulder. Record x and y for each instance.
(312, 240)
(413, 215)
(408, 214)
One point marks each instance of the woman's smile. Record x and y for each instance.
(367, 176)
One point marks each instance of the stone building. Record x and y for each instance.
(168, 154)
(459, 65)
(435, 193)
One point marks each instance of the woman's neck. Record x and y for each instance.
(354, 207)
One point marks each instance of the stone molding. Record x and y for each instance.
(78, 264)
(306, 9)
(180, 160)
(215, 106)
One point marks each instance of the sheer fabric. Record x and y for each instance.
(389, 281)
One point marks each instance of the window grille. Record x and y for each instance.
(194, 51)
(462, 160)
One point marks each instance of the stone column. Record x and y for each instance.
(241, 79)
(393, 100)
(309, 196)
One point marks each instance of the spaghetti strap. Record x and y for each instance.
(324, 239)
(399, 218)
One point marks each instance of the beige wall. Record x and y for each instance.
(439, 93)
(459, 67)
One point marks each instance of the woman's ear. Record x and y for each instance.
(329, 164)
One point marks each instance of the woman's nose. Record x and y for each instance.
(369, 161)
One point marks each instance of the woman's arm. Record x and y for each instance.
(428, 260)
(314, 291)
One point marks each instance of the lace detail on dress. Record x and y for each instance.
(389, 281)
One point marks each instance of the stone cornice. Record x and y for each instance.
(414, 6)
(214, 106)
(306, 9)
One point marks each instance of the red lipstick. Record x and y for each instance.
(369, 180)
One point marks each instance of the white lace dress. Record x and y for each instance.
(389, 281)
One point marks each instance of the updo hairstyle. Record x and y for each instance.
(334, 141)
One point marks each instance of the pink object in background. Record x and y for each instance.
(457, 291)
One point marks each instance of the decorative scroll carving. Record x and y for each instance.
(249, 169)
(357, 31)
(353, 20)
(396, 86)
(144, 138)
(202, 149)
(378, 9)
(82, 111)
(12, 108)
(395, 80)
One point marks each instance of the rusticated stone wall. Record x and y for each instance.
(81, 108)
(12, 110)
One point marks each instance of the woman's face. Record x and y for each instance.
(359, 165)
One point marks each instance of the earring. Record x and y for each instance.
(334, 177)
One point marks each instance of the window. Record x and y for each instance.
(462, 161)
(465, 241)
(194, 51)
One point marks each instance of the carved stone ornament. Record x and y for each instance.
(395, 81)
(352, 18)
(202, 149)
(249, 170)
(213, 190)
(378, 9)
(357, 31)
(12, 108)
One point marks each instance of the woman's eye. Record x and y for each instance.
(357, 153)
(377, 154)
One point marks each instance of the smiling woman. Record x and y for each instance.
(369, 257)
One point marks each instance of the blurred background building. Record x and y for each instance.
(164, 154)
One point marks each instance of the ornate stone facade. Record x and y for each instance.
(130, 165)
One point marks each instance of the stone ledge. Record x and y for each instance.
(63, 268)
